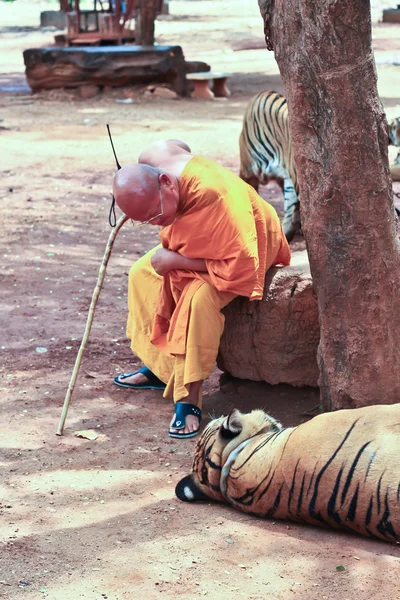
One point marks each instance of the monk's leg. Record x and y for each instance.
(206, 324)
(143, 293)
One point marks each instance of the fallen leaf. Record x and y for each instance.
(92, 374)
(340, 568)
(88, 434)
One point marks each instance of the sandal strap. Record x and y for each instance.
(150, 375)
(146, 372)
(182, 410)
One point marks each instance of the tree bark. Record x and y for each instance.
(145, 22)
(340, 140)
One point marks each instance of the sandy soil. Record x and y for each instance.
(98, 519)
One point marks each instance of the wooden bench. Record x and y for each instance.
(201, 85)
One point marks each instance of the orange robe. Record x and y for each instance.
(224, 221)
(175, 322)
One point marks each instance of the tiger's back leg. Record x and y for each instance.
(246, 163)
(251, 180)
(291, 221)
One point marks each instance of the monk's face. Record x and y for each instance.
(168, 200)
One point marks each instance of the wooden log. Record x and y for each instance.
(52, 67)
(275, 339)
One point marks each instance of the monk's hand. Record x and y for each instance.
(163, 261)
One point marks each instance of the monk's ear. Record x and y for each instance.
(166, 181)
(232, 426)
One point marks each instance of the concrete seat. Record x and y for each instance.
(201, 85)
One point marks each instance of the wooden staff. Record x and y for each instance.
(89, 321)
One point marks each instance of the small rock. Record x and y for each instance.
(162, 92)
(129, 93)
(89, 91)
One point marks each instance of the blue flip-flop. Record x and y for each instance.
(153, 382)
(182, 410)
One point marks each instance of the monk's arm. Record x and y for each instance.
(165, 260)
(189, 264)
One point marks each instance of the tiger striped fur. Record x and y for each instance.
(266, 153)
(339, 469)
(394, 132)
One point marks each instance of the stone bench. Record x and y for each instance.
(201, 85)
(391, 15)
(274, 339)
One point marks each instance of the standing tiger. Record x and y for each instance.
(394, 140)
(394, 132)
(339, 469)
(266, 153)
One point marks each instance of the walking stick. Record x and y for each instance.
(116, 225)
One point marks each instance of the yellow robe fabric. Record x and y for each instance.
(174, 322)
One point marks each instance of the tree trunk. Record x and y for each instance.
(145, 20)
(340, 141)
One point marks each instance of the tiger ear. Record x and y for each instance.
(232, 425)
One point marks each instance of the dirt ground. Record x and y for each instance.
(98, 519)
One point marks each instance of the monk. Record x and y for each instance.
(218, 239)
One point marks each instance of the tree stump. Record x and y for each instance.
(51, 67)
(274, 339)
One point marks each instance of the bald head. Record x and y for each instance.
(159, 153)
(136, 191)
(179, 144)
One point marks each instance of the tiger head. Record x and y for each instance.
(394, 132)
(212, 450)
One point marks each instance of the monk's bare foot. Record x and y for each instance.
(134, 379)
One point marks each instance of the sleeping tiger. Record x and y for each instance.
(339, 469)
(266, 153)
